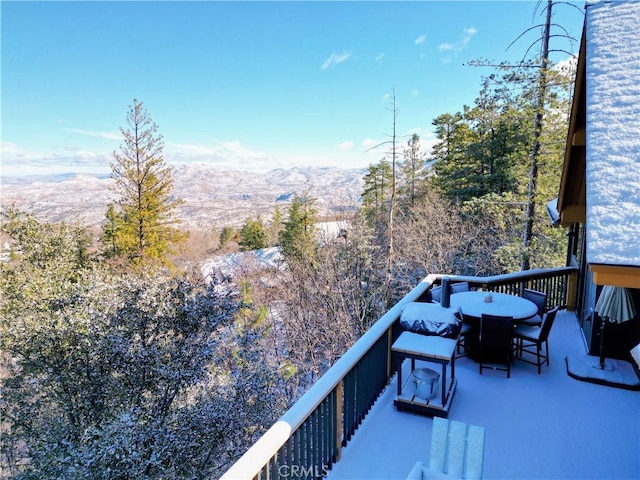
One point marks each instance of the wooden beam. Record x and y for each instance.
(572, 291)
(339, 422)
(579, 137)
(616, 275)
(573, 214)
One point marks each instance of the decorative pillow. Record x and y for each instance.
(450, 330)
(439, 329)
(431, 319)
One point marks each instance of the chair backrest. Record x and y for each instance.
(539, 298)
(547, 323)
(436, 294)
(496, 332)
(459, 287)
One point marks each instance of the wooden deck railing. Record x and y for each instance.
(308, 438)
(553, 282)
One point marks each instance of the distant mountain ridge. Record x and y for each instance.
(213, 197)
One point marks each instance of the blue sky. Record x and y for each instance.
(245, 85)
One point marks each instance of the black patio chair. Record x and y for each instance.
(495, 346)
(436, 294)
(526, 337)
(459, 287)
(540, 299)
(465, 331)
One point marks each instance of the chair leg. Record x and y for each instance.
(459, 345)
(546, 349)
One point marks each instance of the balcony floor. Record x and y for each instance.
(546, 426)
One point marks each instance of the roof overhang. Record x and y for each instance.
(616, 275)
(572, 204)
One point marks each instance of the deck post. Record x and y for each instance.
(572, 289)
(389, 363)
(338, 419)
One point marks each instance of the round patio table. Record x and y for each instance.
(473, 304)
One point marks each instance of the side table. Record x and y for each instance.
(432, 349)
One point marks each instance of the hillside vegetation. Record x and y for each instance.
(119, 360)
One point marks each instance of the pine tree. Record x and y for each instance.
(140, 226)
(481, 150)
(412, 173)
(377, 191)
(252, 234)
(227, 234)
(297, 238)
(274, 227)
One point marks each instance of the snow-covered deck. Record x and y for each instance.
(546, 426)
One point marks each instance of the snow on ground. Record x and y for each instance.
(226, 266)
(547, 426)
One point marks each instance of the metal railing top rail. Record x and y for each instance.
(261, 452)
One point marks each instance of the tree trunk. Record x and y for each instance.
(533, 170)
(393, 196)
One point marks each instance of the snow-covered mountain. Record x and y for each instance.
(212, 197)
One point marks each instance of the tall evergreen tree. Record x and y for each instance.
(141, 225)
(297, 238)
(377, 191)
(228, 234)
(274, 226)
(252, 234)
(483, 160)
(449, 153)
(412, 173)
(481, 149)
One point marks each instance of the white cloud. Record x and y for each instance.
(11, 149)
(229, 152)
(222, 149)
(18, 161)
(224, 154)
(107, 135)
(232, 155)
(369, 143)
(567, 66)
(468, 33)
(456, 47)
(420, 40)
(15, 154)
(189, 149)
(334, 59)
